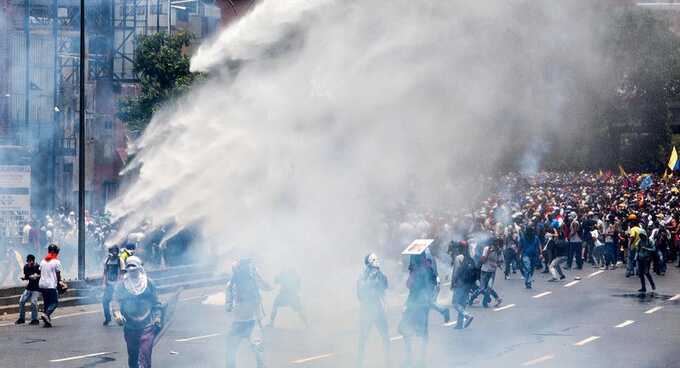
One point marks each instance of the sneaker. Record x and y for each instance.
(642, 290)
(563, 277)
(528, 285)
(20, 321)
(46, 320)
(552, 279)
(34, 322)
(468, 320)
(106, 323)
(603, 268)
(498, 302)
(447, 316)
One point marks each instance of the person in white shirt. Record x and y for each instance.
(50, 279)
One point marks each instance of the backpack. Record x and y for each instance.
(112, 268)
(646, 247)
(468, 271)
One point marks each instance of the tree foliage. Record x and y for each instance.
(162, 67)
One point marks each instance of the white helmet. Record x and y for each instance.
(371, 260)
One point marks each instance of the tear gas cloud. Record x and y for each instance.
(319, 116)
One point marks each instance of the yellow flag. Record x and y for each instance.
(600, 173)
(673, 162)
(622, 171)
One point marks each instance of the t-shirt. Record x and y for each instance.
(491, 262)
(634, 234)
(48, 273)
(28, 271)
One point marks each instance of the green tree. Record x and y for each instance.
(162, 67)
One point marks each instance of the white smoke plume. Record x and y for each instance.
(338, 110)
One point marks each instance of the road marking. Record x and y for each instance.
(311, 359)
(572, 283)
(624, 324)
(198, 337)
(538, 360)
(595, 273)
(76, 314)
(542, 294)
(395, 338)
(676, 297)
(590, 339)
(653, 310)
(447, 324)
(192, 298)
(80, 357)
(504, 308)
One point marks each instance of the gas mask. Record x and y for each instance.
(372, 261)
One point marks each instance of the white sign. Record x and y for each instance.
(15, 195)
(418, 246)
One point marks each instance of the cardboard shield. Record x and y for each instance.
(417, 246)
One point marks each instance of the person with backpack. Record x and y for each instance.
(244, 300)
(633, 241)
(529, 250)
(421, 284)
(113, 267)
(371, 288)
(661, 238)
(463, 277)
(645, 253)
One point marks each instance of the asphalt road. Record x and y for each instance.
(595, 322)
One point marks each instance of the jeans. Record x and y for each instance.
(610, 254)
(528, 269)
(371, 315)
(50, 300)
(510, 258)
(555, 267)
(27, 295)
(460, 300)
(106, 300)
(575, 252)
(486, 287)
(643, 270)
(241, 330)
(140, 345)
(630, 266)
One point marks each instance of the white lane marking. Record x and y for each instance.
(192, 298)
(504, 308)
(585, 341)
(676, 297)
(311, 359)
(80, 357)
(395, 338)
(75, 314)
(538, 360)
(198, 337)
(572, 283)
(542, 294)
(447, 324)
(625, 323)
(595, 273)
(653, 310)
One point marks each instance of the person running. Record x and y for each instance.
(243, 299)
(559, 254)
(32, 275)
(50, 281)
(463, 277)
(491, 258)
(140, 313)
(113, 267)
(529, 248)
(633, 241)
(289, 295)
(371, 288)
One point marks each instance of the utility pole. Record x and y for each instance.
(169, 17)
(81, 150)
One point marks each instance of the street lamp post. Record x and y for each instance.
(81, 150)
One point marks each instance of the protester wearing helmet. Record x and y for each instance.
(371, 288)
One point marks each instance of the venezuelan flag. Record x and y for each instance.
(673, 162)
